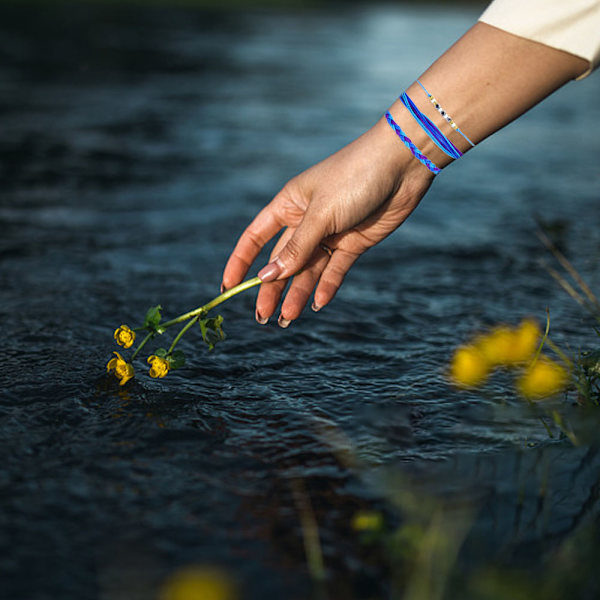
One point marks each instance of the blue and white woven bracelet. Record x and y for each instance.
(408, 143)
(430, 128)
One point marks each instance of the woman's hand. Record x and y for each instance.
(348, 202)
(358, 196)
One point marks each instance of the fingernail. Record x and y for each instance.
(285, 323)
(270, 272)
(222, 288)
(315, 307)
(260, 320)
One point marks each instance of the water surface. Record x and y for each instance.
(135, 146)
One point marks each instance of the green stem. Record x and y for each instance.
(142, 344)
(548, 430)
(202, 310)
(557, 417)
(544, 338)
(180, 334)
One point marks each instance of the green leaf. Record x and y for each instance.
(212, 330)
(177, 359)
(153, 318)
(160, 352)
(590, 361)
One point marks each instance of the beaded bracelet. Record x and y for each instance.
(407, 142)
(444, 114)
(438, 138)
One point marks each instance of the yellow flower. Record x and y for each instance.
(124, 336)
(542, 379)
(510, 346)
(497, 345)
(367, 520)
(526, 339)
(195, 583)
(159, 366)
(469, 366)
(123, 370)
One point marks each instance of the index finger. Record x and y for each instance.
(262, 229)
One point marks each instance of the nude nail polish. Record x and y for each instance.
(269, 272)
(260, 320)
(285, 323)
(314, 306)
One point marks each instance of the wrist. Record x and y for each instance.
(424, 148)
(399, 158)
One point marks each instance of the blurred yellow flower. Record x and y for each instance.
(510, 346)
(159, 366)
(469, 367)
(367, 520)
(526, 339)
(124, 336)
(199, 583)
(496, 345)
(542, 379)
(123, 370)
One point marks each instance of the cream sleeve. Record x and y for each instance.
(569, 25)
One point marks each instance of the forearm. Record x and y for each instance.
(485, 80)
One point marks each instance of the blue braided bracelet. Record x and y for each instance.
(444, 114)
(406, 140)
(438, 138)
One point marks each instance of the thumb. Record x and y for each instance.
(296, 253)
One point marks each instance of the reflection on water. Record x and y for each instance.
(136, 144)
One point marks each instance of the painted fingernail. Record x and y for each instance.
(315, 307)
(260, 320)
(269, 272)
(285, 323)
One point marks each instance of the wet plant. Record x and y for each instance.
(163, 360)
(519, 350)
(586, 370)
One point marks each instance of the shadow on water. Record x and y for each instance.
(135, 146)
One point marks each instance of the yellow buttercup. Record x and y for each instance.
(507, 346)
(542, 379)
(159, 366)
(124, 336)
(469, 367)
(123, 370)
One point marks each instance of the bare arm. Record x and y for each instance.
(358, 196)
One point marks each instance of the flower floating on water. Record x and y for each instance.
(123, 370)
(159, 367)
(124, 336)
(510, 347)
(162, 360)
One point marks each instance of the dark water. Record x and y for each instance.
(135, 145)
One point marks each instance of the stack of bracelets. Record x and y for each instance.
(438, 138)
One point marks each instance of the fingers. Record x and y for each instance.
(301, 288)
(332, 277)
(298, 250)
(269, 294)
(264, 227)
(299, 292)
